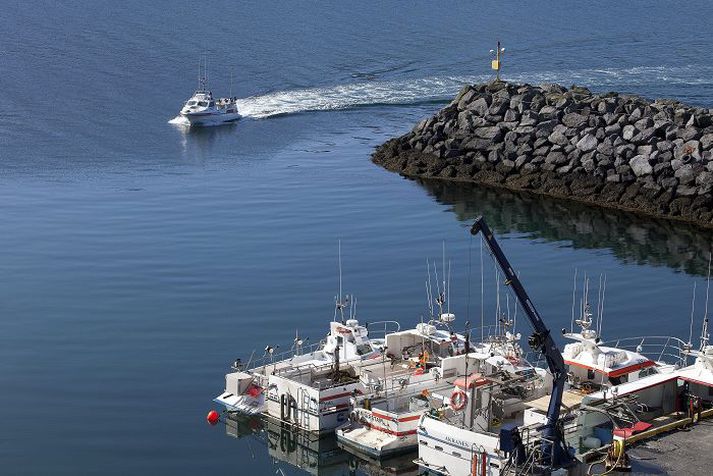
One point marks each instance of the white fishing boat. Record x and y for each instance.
(385, 418)
(202, 109)
(396, 392)
(464, 437)
(422, 364)
(610, 419)
(249, 387)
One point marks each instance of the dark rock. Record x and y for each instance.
(707, 141)
(493, 134)
(574, 119)
(587, 143)
(480, 106)
(689, 133)
(685, 174)
(557, 158)
(558, 138)
(529, 118)
(511, 115)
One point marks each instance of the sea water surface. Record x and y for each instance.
(138, 259)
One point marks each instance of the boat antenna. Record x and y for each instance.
(448, 299)
(601, 310)
(470, 274)
(693, 310)
(230, 90)
(514, 319)
(429, 288)
(441, 294)
(341, 302)
(574, 300)
(446, 274)
(599, 305)
(704, 332)
(482, 294)
(497, 299)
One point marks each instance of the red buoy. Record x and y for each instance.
(213, 417)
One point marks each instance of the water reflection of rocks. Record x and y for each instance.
(314, 455)
(630, 237)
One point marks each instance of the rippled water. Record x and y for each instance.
(137, 259)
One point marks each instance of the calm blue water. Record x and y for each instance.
(137, 260)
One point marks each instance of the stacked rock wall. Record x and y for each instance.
(613, 150)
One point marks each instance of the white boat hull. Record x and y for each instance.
(210, 119)
(456, 451)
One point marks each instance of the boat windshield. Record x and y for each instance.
(191, 103)
(363, 349)
(202, 104)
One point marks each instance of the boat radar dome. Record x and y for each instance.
(352, 323)
(448, 317)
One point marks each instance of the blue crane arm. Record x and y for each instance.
(541, 341)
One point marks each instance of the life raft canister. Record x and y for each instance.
(459, 400)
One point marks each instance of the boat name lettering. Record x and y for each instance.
(456, 442)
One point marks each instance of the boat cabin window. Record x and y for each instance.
(619, 380)
(590, 374)
(363, 349)
(648, 371)
(191, 103)
(202, 104)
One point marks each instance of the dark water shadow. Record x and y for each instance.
(630, 237)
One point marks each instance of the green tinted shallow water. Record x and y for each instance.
(137, 261)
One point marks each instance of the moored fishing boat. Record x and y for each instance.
(249, 387)
(385, 422)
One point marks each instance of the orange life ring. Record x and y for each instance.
(459, 400)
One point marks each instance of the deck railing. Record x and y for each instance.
(665, 349)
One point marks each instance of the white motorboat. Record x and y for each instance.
(202, 109)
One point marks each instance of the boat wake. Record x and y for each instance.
(642, 79)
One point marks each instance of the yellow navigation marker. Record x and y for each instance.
(496, 63)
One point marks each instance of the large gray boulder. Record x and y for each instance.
(558, 138)
(587, 143)
(628, 132)
(707, 141)
(574, 119)
(688, 149)
(479, 106)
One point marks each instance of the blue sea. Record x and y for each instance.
(139, 259)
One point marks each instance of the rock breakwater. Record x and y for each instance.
(613, 150)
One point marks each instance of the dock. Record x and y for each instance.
(681, 452)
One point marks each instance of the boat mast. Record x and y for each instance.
(704, 332)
